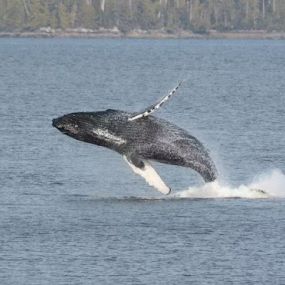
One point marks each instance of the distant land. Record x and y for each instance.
(230, 19)
(46, 32)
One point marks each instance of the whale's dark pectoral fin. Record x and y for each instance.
(146, 112)
(144, 169)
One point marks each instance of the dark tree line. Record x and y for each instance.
(194, 15)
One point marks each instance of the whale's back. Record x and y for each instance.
(157, 139)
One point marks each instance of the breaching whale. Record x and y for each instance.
(141, 137)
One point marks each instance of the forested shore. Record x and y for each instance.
(143, 18)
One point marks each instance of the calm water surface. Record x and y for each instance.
(73, 213)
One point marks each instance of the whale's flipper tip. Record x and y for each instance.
(150, 109)
(260, 192)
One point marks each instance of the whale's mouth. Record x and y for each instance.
(64, 125)
(57, 124)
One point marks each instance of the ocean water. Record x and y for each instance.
(74, 213)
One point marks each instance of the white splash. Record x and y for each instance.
(268, 185)
(106, 135)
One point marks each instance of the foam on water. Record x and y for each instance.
(272, 183)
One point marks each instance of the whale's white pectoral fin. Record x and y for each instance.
(155, 106)
(149, 174)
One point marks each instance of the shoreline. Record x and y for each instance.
(140, 34)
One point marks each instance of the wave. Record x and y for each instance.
(267, 185)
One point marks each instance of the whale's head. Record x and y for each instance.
(91, 127)
(79, 126)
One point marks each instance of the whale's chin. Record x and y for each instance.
(56, 123)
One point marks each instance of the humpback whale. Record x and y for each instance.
(141, 137)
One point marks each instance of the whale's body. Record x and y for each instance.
(148, 138)
(140, 137)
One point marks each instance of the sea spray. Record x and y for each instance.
(272, 182)
(267, 185)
